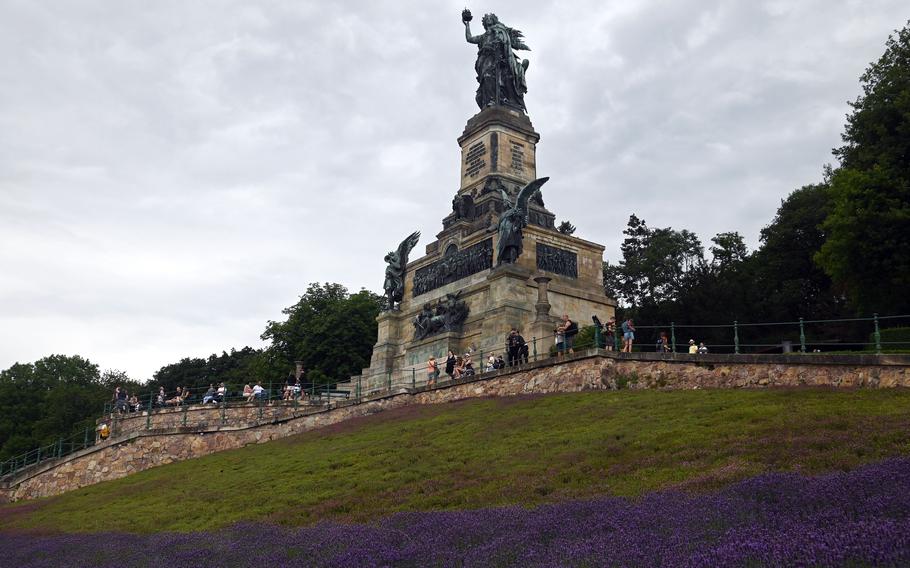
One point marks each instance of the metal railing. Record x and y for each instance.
(311, 398)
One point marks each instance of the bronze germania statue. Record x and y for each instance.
(397, 261)
(513, 220)
(500, 73)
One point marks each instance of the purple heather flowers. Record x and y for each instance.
(858, 518)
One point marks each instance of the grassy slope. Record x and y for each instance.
(477, 453)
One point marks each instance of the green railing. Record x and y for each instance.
(803, 336)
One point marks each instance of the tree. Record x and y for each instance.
(52, 398)
(233, 368)
(790, 284)
(867, 249)
(330, 330)
(728, 250)
(654, 263)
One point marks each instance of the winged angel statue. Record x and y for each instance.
(513, 220)
(394, 272)
(500, 73)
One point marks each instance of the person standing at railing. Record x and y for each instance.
(693, 349)
(611, 333)
(120, 398)
(565, 335)
(432, 371)
(663, 343)
(628, 335)
(570, 329)
(514, 341)
(159, 400)
(450, 364)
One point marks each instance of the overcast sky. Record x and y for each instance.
(173, 173)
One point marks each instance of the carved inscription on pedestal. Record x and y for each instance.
(454, 267)
(518, 157)
(557, 260)
(474, 160)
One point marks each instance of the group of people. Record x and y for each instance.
(292, 388)
(256, 392)
(215, 395)
(627, 329)
(124, 402)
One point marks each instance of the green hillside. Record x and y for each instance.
(476, 453)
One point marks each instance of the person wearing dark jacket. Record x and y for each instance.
(450, 364)
(516, 348)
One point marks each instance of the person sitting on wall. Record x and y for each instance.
(209, 395)
(159, 400)
(135, 406)
(220, 394)
(258, 391)
(177, 398)
(104, 431)
(185, 396)
(248, 392)
(500, 363)
(288, 391)
(458, 370)
(468, 365)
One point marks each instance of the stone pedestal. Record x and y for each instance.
(498, 155)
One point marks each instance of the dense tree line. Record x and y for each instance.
(837, 248)
(54, 397)
(329, 329)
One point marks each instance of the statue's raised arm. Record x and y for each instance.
(500, 72)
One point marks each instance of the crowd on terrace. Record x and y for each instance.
(456, 366)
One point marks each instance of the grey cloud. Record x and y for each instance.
(173, 174)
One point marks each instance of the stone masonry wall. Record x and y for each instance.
(135, 448)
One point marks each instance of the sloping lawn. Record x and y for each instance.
(491, 452)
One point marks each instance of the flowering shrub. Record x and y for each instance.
(856, 518)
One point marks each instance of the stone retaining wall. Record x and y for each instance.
(134, 448)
